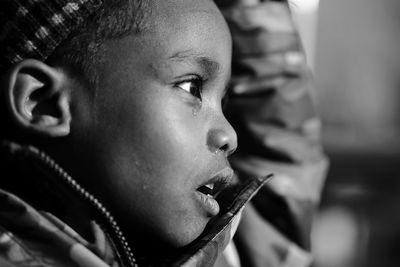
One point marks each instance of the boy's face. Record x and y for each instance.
(159, 133)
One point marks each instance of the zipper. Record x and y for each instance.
(110, 225)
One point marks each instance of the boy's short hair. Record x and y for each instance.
(67, 31)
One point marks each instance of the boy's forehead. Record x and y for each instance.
(184, 5)
(180, 18)
(179, 30)
(172, 10)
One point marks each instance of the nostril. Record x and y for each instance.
(228, 149)
(224, 148)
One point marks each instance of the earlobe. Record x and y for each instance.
(37, 98)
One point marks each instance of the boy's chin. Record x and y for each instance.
(171, 242)
(187, 235)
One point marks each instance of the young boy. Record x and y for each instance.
(115, 143)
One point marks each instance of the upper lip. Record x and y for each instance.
(219, 181)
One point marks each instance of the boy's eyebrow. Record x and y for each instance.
(210, 66)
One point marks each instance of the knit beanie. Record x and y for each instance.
(34, 28)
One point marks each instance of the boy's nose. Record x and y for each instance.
(222, 138)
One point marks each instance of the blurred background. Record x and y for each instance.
(353, 47)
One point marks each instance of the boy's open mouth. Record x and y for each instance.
(213, 189)
(210, 189)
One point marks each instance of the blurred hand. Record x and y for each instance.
(270, 101)
(271, 107)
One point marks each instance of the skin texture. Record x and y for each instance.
(145, 143)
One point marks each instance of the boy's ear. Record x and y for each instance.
(37, 98)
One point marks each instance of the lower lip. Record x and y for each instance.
(209, 204)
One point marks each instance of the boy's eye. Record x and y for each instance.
(193, 86)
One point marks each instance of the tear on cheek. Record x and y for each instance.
(196, 107)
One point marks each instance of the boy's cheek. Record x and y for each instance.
(161, 198)
(177, 220)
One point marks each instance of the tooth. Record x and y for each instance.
(210, 186)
